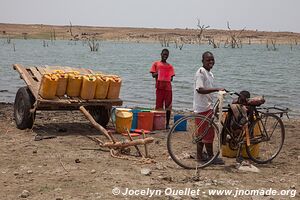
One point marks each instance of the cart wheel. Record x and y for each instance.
(23, 103)
(101, 114)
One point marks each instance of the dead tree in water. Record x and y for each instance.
(8, 39)
(213, 43)
(93, 44)
(45, 44)
(73, 37)
(70, 29)
(249, 40)
(200, 32)
(52, 35)
(234, 40)
(179, 43)
(272, 46)
(25, 36)
(164, 41)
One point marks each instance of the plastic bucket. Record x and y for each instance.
(114, 111)
(135, 118)
(123, 121)
(182, 125)
(159, 120)
(145, 120)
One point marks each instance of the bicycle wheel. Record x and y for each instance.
(267, 136)
(183, 138)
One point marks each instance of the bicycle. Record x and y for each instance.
(263, 130)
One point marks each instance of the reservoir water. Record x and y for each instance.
(274, 74)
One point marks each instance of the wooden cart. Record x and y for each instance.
(97, 111)
(28, 100)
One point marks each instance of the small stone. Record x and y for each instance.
(293, 187)
(282, 180)
(16, 173)
(57, 189)
(174, 197)
(214, 182)
(166, 178)
(146, 171)
(160, 166)
(77, 160)
(24, 194)
(93, 171)
(248, 168)
(45, 164)
(29, 172)
(59, 198)
(199, 183)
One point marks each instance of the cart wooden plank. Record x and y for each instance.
(36, 74)
(33, 85)
(41, 70)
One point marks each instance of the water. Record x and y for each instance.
(274, 74)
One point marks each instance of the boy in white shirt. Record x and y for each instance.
(203, 104)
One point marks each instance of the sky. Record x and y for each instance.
(262, 15)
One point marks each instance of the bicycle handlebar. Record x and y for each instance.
(232, 93)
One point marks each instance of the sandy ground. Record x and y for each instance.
(47, 168)
(181, 36)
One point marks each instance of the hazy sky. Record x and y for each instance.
(268, 15)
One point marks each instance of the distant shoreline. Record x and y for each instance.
(164, 36)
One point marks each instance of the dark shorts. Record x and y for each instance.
(163, 99)
(209, 137)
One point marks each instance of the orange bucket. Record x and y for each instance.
(145, 120)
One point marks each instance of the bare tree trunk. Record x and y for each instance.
(200, 34)
(70, 29)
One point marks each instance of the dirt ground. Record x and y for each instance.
(185, 36)
(71, 166)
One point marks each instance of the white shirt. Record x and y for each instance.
(203, 79)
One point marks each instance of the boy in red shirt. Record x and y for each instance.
(163, 73)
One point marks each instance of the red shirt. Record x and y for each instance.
(165, 72)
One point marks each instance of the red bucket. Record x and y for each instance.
(159, 120)
(145, 120)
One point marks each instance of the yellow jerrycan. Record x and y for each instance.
(88, 87)
(102, 87)
(123, 121)
(228, 152)
(114, 87)
(62, 83)
(74, 84)
(48, 86)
